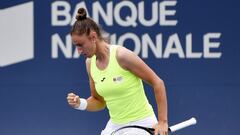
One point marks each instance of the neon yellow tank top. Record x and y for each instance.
(122, 91)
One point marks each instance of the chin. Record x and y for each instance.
(88, 56)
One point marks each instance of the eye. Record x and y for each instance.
(79, 45)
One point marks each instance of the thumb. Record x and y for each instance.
(76, 98)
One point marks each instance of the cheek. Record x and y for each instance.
(94, 47)
(90, 46)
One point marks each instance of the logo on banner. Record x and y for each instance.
(17, 34)
(146, 44)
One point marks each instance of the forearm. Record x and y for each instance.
(161, 99)
(94, 104)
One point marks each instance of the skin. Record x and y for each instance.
(91, 45)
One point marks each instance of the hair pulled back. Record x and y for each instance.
(84, 24)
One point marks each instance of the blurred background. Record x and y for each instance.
(192, 45)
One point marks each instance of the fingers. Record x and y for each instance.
(76, 98)
(162, 133)
(73, 100)
(159, 132)
(161, 129)
(156, 130)
(71, 95)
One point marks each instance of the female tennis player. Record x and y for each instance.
(115, 76)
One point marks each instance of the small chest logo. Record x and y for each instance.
(118, 79)
(103, 79)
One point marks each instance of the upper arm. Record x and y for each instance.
(130, 61)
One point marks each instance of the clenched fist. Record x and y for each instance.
(73, 100)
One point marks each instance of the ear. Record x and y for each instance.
(93, 36)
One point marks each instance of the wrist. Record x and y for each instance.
(83, 104)
(162, 121)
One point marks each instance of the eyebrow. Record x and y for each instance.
(79, 45)
(76, 43)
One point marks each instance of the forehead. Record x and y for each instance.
(78, 38)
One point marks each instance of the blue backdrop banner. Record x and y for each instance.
(192, 45)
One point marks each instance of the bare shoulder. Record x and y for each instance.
(122, 52)
(124, 56)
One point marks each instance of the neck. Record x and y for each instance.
(102, 51)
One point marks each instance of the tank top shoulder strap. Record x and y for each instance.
(112, 59)
(93, 64)
(113, 50)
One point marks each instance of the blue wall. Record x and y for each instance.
(33, 93)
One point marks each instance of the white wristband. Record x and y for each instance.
(83, 104)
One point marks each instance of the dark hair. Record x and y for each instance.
(84, 24)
